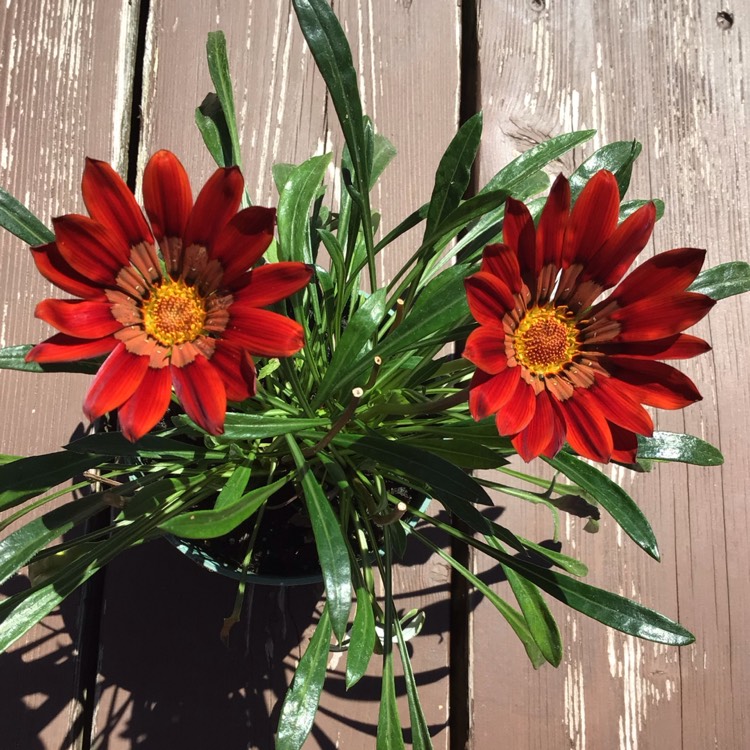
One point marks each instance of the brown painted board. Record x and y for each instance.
(669, 75)
(64, 78)
(164, 678)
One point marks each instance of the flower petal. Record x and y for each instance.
(518, 410)
(593, 219)
(540, 431)
(237, 370)
(625, 445)
(618, 407)
(520, 236)
(242, 242)
(64, 348)
(552, 223)
(86, 319)
(652, 383)
(489, 298)
(485, 348)
(263, 332)
(677, 346)
(215, 205)
(489, 393)
(587, 430)
(272, 282)
(666, 273)
(616, 255)
(660, 316)
(167, 196)
(90, 248)
(110, 202)
(502, 262)
(117, 380)
(147, 405)
(51, 264)
(201, 392)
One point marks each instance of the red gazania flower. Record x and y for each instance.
(188, 313)
(553, 364)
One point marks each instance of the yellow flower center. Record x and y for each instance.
(174, 313)
(546, 340)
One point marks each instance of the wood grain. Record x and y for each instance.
(283, 117)
(671, 77)
(64, 81)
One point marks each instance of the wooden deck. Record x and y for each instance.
(135, 660)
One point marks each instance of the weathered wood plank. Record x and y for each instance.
(280, 102)
(64, 77)
(668, 75)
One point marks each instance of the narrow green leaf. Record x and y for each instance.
(466, 454)
(453, 173)
(630, 207)
(383, 152)
(19, 547)
(613, 610)
(612, 498)
(390, 736)
(617, 157)
(539, 619)
(353, 344)
(332, 54)
(724, 280)
(536, 158)
(18, 220)
(329, 540)
(672, 446)
(14, 358)
(212, 124)
(440, 306)
(209, 524)
(420, 732)
(450, 485)
(296, 199)
(32, 476)
(514, 618)
(469, 210)
(149, 446)
(235, 486)
(301, 701)
(253, 426)
(362, 640)
(218, 67)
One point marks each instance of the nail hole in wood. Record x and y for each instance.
(538, 5)
(725, 20)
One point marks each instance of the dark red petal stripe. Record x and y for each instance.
(110, 202)
(489, 393)
(117, 380)
(542, 427)
(242, 242)
(518, 410)
(201, 392)
(587, 430)
(660, 316)
(485, 348)
(90, 248)
(552, 223)
(263, 332)
(147, 405)
(617, 254)
(593, 219)
(64, 348)
(215, 205)
(86, 319)
(519, 235)
(502, 262)
(489, 298)
(678, 346)
(167, 196)
(271, 283)
(51, 264)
